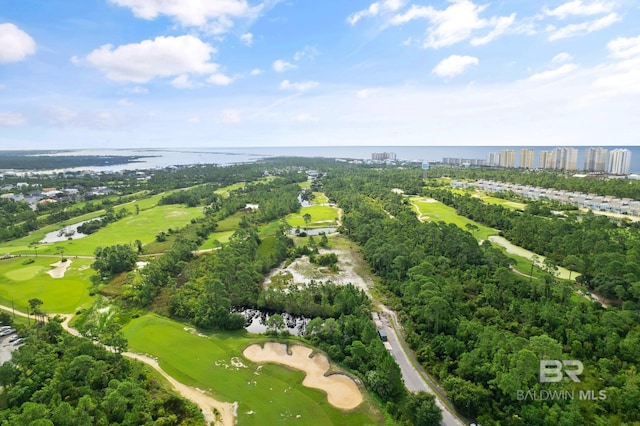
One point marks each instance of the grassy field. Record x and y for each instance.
(320, 198)
(20, 282)
(266, 394)
(501, 201)
(227, 189)
(436, 211)
(320, 216)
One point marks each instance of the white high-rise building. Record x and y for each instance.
(565, 159)
(493, 159)
(546, 160)
(595, 160)
(619, 162)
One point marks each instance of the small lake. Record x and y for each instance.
(256, 321)
(66, 233)
(314, 231)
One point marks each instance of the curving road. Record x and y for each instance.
(413, 375)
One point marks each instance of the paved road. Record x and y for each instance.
(414, 376)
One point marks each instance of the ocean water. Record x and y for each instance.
(164, 157)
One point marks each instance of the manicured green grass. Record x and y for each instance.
(304, 185)
(19, 283)
(502, 202)
(144, 227)
(321, 216)
(227, 189)
(320, 198)
(436, 211)
(267, 394)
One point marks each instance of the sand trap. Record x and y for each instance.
(342, 392)
(60, 269)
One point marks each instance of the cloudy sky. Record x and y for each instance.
(225, 73)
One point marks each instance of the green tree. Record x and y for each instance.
(275, 323)
(421, 410)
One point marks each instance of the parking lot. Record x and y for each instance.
(7, 346)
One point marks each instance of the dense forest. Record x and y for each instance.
(605, 251)
(478, 327)
(622, 188)
(59, 379)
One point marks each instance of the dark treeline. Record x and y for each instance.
(605, 251)
(546, 179)
(59, 379)
(481, 329)
(28, 161)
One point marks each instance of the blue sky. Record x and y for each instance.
(225, 73)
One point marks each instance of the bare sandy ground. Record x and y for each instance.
(342, 392)
(303, 271)
(60, 269)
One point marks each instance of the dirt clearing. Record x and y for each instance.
(342, 392)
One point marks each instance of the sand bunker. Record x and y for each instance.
(342, 392)
(60, 269)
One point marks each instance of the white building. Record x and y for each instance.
(595, 160)
(619, 162)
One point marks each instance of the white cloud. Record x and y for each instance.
(456, 23)
(161, 57)
(282, 66)
(214, 16)
(230, 116)
(138, 90)
(220, 79)
(375, 9)
(306, 118)
(15, 44)
(61, 116)
(562, 57)
(124, 102)
(247, 39)
(365, 93)
(308, 52)
(553, 74)
(579, 7)
(454, 65)
(500, 26)
(583, 28)
(183, 82)
(256, 71)
(624, 47)
(11, 119)
(301, 86)
(624, 80)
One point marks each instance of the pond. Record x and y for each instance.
(314, 231)
(256, 321)
(66, 233)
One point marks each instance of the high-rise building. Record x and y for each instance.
(565, 159)
(493, 159)
(508, 158)
(382, 156)
(595, 160)
(546, 160)
(619, 162)
(526, 158)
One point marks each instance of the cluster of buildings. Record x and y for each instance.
(596, 160)
(589, 201)
(383, 156)
(35, 197)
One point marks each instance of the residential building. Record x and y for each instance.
(565, 159)
(619, 162)
(382, 156)
(508, 158)
(546, 160)
(526, 158)
(595, 160)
